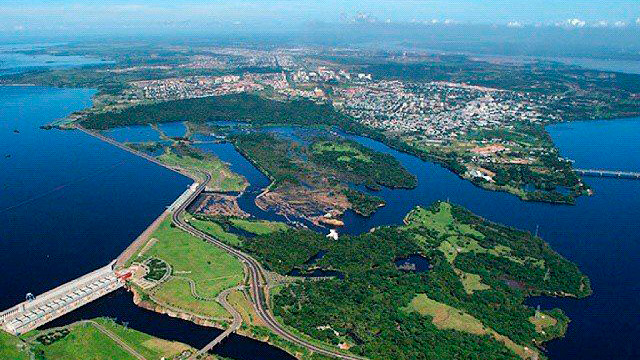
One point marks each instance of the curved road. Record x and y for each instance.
(235, 325)
(257, 280)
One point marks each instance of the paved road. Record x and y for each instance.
(235, 325)
(257, 281)
(257, 278)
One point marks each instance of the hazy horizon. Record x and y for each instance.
(111, 15)
(515, 27)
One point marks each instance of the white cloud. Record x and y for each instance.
(514, 24)
(19, 28)
(601, 23)
(619, 24)
(638, 21)
(575, 23)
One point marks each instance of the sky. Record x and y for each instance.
(74, 14)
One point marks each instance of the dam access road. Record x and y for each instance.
(257, 280)
(258, 284)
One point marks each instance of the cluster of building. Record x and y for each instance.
(191, 87)
(324, 74)
(437, 110)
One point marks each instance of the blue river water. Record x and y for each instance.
(600, 233)
(15, 62)
(61, 192)
(70, 203)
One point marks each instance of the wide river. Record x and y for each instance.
(69, 204)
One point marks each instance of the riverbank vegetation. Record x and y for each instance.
(195, 161)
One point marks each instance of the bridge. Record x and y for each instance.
(36, 311)
(609, 173)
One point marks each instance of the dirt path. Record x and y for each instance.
(116, 339)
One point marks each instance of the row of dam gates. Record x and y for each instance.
(36, 311)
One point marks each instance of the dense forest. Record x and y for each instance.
(329, 163)
(362, 164)
(370, 308)
(236, 107)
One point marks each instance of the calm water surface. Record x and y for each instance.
(11, 62)
(70, 203)
(600, 233)
(67, 230)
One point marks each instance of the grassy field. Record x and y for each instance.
(542, 322)
(460, 238)
(11, 347)
(210, 268)
(447, 317)
(441, 221)
(471, 282)
(350, 152)
(259, 227)
(86, 341)
(222, 178)
(147, 345)
(214, 229)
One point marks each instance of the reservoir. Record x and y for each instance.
(61, 192)
(70, 203)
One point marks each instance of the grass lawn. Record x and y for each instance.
(442, 221)
(259, 227)
(349, 150)
(85, 341)
(11, 348)
(222, 178)
(211, 268)
(147, 345)
(471, 282)
(176, 292)
(448, 317)
(214, 229)
(543, 321)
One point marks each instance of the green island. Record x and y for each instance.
(310, 180)
(100, 338)
(519, 158)
(469, 302)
